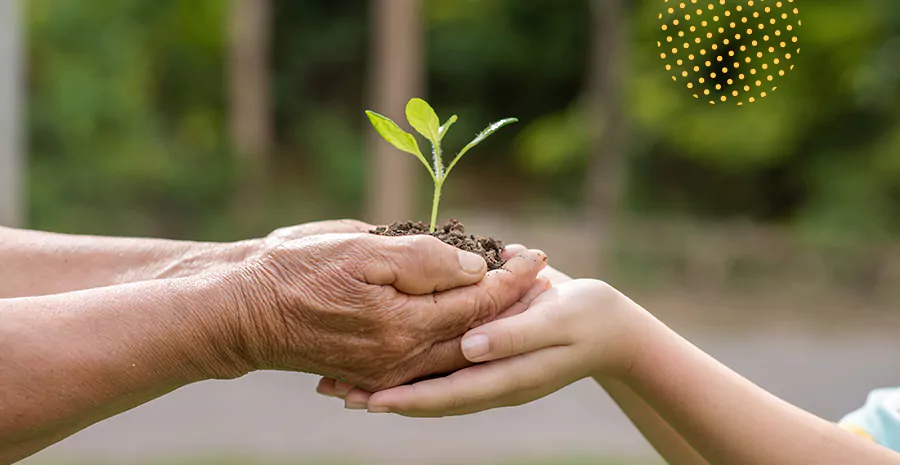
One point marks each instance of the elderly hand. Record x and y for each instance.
(369, 310)
(289, 233)
(566, 330)
(184, 259)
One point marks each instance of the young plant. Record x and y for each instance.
(425, 121)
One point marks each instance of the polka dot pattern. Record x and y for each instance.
(729, 51)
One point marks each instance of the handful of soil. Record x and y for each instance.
(453, 233)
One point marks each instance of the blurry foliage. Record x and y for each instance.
(319, 54)
(815, 153)
(127, 106)
(126, 111)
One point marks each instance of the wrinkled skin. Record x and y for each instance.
(197, 258)
(289, 233)
(369, 310)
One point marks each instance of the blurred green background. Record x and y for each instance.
(131, 112)
(128, 126)
(219, 120)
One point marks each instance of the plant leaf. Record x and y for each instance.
(442, 131)
(492, 128)
(423, 119)
(397, 137)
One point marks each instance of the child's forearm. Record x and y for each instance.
(729, 420)
(667, 442)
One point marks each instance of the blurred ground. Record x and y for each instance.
(277, 416)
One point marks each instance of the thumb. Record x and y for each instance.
(422, 264)
(519, 334)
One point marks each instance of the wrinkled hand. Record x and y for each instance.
(369, 310)
(576, 329)
(200, 258)
(357, 398)
(289, 233)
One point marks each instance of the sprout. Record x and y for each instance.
(425, 121)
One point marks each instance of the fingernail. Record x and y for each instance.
(471, 263)
(475, 346)
(379, 409)
(354, 406)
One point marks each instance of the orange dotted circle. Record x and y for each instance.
(732, 36)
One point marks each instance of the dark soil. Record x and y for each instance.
(454, 233)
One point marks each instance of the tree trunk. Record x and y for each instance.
(250, 111)
(396, 76)
(12, 88)
(608, 127)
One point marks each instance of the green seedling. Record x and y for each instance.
(425, 121)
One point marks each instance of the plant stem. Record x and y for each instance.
(435, 203)
(438, 161)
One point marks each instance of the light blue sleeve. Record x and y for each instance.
(879, 418)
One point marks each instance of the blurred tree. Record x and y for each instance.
(250, 109)
(128, 130)
(805, 155)
(249, 76)
(606, 113)
(12, 156)
(397, 75)
(126, 111)
(321, 84)
(488, 60)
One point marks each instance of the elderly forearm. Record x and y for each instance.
(667, 442)
(70, 360)
(38, 263)
(729, 420)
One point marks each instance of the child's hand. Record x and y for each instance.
(577, 329)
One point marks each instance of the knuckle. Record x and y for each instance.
(469, 311)
(423, 245)
(394, 303)
(455, 400)
(601, 293)
(492, 306)
(363, 244)
(355, 224)
(599, 287)
(516, 340)
(280, 232)
(485, 305)
(413, 401)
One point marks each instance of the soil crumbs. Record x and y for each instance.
(454, 233)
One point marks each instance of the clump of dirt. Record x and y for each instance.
(454, 233)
